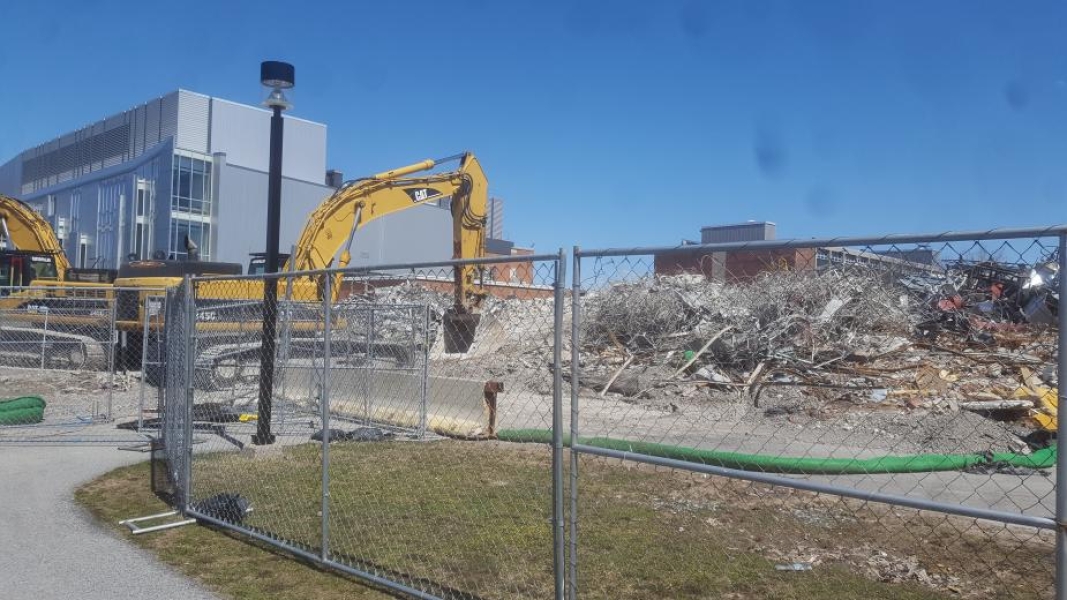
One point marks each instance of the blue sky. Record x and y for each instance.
(614, 123)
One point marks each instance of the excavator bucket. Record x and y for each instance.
(459, 329)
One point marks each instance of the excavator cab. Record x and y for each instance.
(257, 265)
(23, 268)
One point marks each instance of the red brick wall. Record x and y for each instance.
(740, 265)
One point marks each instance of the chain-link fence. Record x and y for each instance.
(56, 358)
(368, 443)
(870, 410)
(70, 359)
(850, 417)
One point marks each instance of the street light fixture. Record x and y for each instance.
(278, 76)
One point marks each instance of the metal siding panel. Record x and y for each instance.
(192, 124)
(151, 126)
(138, 129)
(161, 225)
(745, 232)
(304, 148)
(243, 133)
(168, 118)
(11, 177)
(241, 221)
(423, 233)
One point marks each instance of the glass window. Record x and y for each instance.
(192, 186)
(43, 267)
(184, 183)
(197, 192)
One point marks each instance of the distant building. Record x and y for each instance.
(744, 264)
(138, 182)
(739, 232)
(495, 226)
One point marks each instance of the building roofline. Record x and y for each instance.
(257, 108)
(176, 91)
(736, 225)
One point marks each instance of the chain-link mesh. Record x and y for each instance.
(56, 362)
(386, 403)
(172, 370)
(884, 376)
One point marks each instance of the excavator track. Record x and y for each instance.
(59, 350)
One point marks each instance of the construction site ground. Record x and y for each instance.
(736, 430)
(705, 535)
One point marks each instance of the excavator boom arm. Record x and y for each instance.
(328, 235)
(24, 229)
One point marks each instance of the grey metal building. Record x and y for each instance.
(751, 231)
(138, 182)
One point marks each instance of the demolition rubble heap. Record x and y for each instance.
(955, 361)
(513, 341)
(852, 349)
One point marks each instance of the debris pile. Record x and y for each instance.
(875, 563)
(939, 359)
(779, 315)
(513, 340)
(847, 348)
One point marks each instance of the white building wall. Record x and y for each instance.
(237, 137)
(422, 233)
(243, 133)
(194, 113)
(242, 210)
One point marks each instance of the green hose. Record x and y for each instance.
(919, 463)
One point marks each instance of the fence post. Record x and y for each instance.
(1061, 432)
(112, 344)
(368, 409)
(558, 532)
(425, 370)
(44, 336)
(324, 406)
(144, 362)
(572, 587)
(189, 332)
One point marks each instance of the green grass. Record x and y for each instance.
(474, 518)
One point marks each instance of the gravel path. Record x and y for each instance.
(51, 547)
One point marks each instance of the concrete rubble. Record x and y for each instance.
(954, 361)
(846, 349)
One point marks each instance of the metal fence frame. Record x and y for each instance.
(106, 333)
(1057, 524)
(106, 328)
(565, 518)
(177, 430)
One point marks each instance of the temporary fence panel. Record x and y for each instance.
(874, 410)
(382, 462)
(877, 411)
(173, 453)
(58, 348)
(152, 354)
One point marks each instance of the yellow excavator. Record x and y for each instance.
(30, 253)
(53, 312)
(227, 308)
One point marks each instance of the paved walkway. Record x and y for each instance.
(51, 548)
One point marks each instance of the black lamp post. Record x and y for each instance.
(278, 76)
